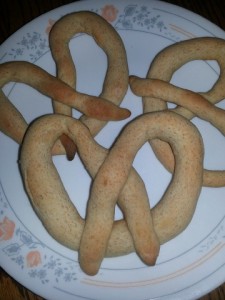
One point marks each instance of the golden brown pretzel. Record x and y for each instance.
(170, 216)
(116, 78)
(12, 122)
(58, 214)
(195, 103)
(171, 59)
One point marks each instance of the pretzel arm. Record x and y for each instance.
(48, 85)
(13, 123)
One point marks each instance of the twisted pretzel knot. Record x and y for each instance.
(114, 180)
(156, 94)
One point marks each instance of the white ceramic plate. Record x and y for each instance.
(190, 265)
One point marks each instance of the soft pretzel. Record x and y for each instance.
(192, 101)
(12, 122)
(171, 59)
(115, 180)
(53, 205)
(116, 78)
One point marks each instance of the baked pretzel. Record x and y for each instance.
(192, 101)
(12, 122)
(64, 222)
(114, 179)
(116, 78)
(163, 67)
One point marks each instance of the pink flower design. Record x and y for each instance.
(109, 12)
(49, 27)
(33, 259)
(6, 229)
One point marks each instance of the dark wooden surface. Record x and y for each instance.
(15, 14)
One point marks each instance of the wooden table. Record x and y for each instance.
(15, 14)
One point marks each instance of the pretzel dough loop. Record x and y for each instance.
(163, 67)
(192, 101)
(65, 224)
(115, 83)
(182, 191)
(98, 238)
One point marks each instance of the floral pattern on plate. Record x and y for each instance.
(41, 264)
(134, 17)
